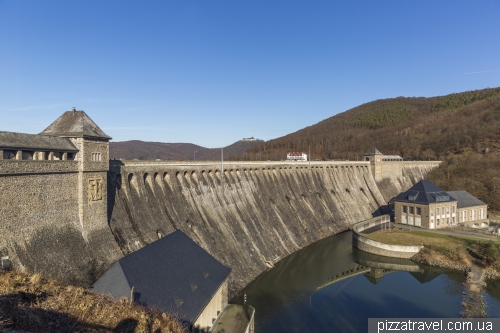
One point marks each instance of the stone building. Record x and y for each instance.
(53, 203)
(472, 212)
(428, 206)
(172, 275)
(383, 166)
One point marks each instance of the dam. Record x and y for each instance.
(251, 214)
(69, 212)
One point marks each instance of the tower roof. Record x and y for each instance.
(75, 124)
(372, 151)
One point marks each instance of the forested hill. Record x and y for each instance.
(415, 128)
(462, 129)
(141, 150)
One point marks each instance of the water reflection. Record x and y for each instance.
(331, 287)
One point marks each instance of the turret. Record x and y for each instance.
(93, 158)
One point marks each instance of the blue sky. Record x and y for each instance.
(211, 72)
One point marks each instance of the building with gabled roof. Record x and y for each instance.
(173, 275)
(472, 212)
(428, 206)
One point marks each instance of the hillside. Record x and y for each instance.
(141, 150)
(29, 303)
(462, 129)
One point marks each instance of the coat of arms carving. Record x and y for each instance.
(95, 189)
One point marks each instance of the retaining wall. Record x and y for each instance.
(379, 248)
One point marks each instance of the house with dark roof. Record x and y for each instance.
(425, 205)
(472, 212)
(428, 206)
(172, 275)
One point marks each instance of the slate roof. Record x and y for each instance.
(75, 124)
(465, 199)
(173, 275)
(372, 151)
(424, 192)
(34, 141)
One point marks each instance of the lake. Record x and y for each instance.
(330, 286)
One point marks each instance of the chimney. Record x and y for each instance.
(74, 110)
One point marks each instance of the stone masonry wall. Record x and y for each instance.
(255, 213)
(397, 176)
(13, 167)
(53, 215)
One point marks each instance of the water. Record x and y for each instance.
(332, 287)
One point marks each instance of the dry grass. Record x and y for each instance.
(32, 303)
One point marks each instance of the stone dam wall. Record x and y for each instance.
(253, 214)
(248, 216)
(398, 176)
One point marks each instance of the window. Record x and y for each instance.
(437, 221)
(447, 220)
(453, 219)
(96, 157)
(27, 154)
(9, 154)
(437, 211)
(432, 211)
(419, 211)
(447, 210)
(404, 209)
(454, 209)
(411, 210)
(57, 156)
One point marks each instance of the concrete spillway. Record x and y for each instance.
(247, 218)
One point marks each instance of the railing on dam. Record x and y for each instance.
(246, 163)
(379, 248)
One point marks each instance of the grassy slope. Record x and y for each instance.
(31, 303)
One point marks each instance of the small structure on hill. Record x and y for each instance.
(296, 156)
(173, 275)
(428, 206)
(249, 139)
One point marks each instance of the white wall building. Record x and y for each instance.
(296, 156)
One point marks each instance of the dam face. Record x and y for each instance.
(247, 217)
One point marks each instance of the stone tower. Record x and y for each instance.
(375, 157)
(93, 165)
